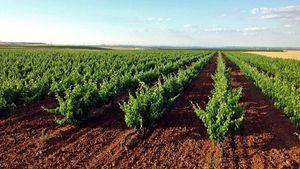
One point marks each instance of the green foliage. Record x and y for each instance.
(284, 69)
(143, 109)
(6, 109)
(223, 114)
(285, 95)
(76, 102)
(81, 79)
(146, 106)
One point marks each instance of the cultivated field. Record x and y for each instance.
(289, 54)
(148, 109)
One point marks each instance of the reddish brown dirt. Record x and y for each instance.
(266, 139)
(179, 140)
(33, 139)
(20, 132)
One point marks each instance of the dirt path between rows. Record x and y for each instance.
(21, 132)
(266, 139)
(179, 140)
(32, 139)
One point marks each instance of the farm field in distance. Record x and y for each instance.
(150, 108)
(287, 54)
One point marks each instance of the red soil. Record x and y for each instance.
(266, 139)
(179, 140)
(31, 139)
(20, 133)
(34, 140)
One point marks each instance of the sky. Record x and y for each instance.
(214, 23)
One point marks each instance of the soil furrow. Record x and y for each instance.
(178, 131)
(62, 143)
(88, 142)
(266, 139)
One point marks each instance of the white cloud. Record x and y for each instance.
(214, 36)
(287, 9)
(254, 29)
(248, 29)
(150, 19)
(191, 26)
(282, 13)
(219, 29)
(159, 19)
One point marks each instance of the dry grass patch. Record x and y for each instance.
(289, 54)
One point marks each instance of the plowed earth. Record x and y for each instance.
(267, 138)
(31, 139)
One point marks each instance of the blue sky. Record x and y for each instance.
(152, 22)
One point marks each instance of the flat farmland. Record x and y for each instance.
(288, 54)
(150, 84)
(148, 109)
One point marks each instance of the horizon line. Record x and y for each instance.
(135, 45)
